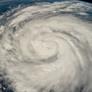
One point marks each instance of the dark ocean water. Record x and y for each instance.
(6, 5)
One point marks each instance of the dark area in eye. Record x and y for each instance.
(80, 89)
(5, 85)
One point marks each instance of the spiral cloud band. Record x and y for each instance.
(47, 48)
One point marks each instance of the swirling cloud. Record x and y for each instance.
(47, 47)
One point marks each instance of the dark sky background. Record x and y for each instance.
(8, 4)
(90, 1)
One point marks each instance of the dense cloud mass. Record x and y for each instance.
(46, 47)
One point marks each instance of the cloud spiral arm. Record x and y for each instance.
(47, 48)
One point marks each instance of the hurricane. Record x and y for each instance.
(46, 47)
